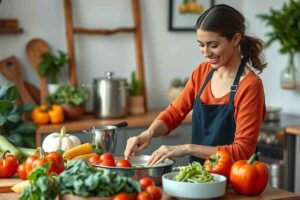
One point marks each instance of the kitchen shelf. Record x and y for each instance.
(11, 30)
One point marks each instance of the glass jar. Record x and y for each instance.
(288, 75)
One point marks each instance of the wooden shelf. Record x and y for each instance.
(11, 30)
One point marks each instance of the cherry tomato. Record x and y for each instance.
(155, 192)
(107, 156)
(144, 195)
(21, 171)
(123, 163)
(122, 196)
(94, 159)
(108, 163)
(146, 182)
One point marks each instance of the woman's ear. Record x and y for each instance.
(236, 39)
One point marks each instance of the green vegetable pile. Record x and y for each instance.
(193, 173)
(83, 180)
(42, 186)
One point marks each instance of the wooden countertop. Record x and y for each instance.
(88, 121)
(294, 130)
(269, 194)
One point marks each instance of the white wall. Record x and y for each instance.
(166, 54)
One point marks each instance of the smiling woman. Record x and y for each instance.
(225, 94)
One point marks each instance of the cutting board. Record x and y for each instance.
(7, 183)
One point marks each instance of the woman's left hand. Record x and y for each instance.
(165, 152)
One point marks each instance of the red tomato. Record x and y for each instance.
(122, 196)
(107, 156)
(146, 182)
(144, 195)
(123, 163)
(108, 163)
(155, 192)
(94, 159)
(21, 171)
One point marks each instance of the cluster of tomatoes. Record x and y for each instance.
(108, 159)
(149, 191)
(9, 164)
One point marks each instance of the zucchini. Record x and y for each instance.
(6, 145)
(26, 152)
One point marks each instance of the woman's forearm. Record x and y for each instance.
(200, 151)
(158, 128)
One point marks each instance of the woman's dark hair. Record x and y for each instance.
(227, 21)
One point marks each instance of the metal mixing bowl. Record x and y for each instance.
(140, 168)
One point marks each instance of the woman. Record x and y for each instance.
(225, 94)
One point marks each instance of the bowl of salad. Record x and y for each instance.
(193, 182)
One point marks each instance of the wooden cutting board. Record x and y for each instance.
(7, 183)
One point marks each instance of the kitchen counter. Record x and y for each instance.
(269, 194)
(88, 121)
(291, 134)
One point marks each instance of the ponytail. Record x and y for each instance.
(251, 49)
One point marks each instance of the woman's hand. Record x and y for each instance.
(138, 143)
(165, 152)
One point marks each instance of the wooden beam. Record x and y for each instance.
(70, 42)
(103, 31)
(139, 47)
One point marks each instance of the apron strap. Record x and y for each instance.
(236, 82)
(208, 77)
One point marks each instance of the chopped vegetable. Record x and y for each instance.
(193, 173)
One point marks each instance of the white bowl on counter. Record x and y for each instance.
(189, 191)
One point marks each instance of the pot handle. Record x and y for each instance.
(121, 124)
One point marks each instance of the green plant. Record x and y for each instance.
(135, 85)
(286, 27)
(51, 65)
(69, 95)
(177, 82)
(17, 131)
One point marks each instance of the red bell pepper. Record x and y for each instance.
(8, 165)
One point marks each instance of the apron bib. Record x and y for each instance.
(214, 125)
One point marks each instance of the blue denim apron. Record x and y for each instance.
(214, 125)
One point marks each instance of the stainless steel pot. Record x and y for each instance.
(110, 97)
(105, 137)
(140, 169)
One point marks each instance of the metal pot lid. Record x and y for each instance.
(109, 77)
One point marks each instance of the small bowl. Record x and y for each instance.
(186, 190)
(155, 172)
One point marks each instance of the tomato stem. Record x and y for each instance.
(253, 158)
(213, 160)
(4, 154)
(41, 152)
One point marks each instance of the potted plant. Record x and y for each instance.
(17, 131)
(72, 100)
(50, 66)
(136, 99)
(175, 88)
(286, 30)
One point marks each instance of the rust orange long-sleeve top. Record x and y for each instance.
(249, 109)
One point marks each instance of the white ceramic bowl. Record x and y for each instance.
(185, 190)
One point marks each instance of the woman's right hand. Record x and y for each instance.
(138, 143)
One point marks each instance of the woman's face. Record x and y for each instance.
(217, 49)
